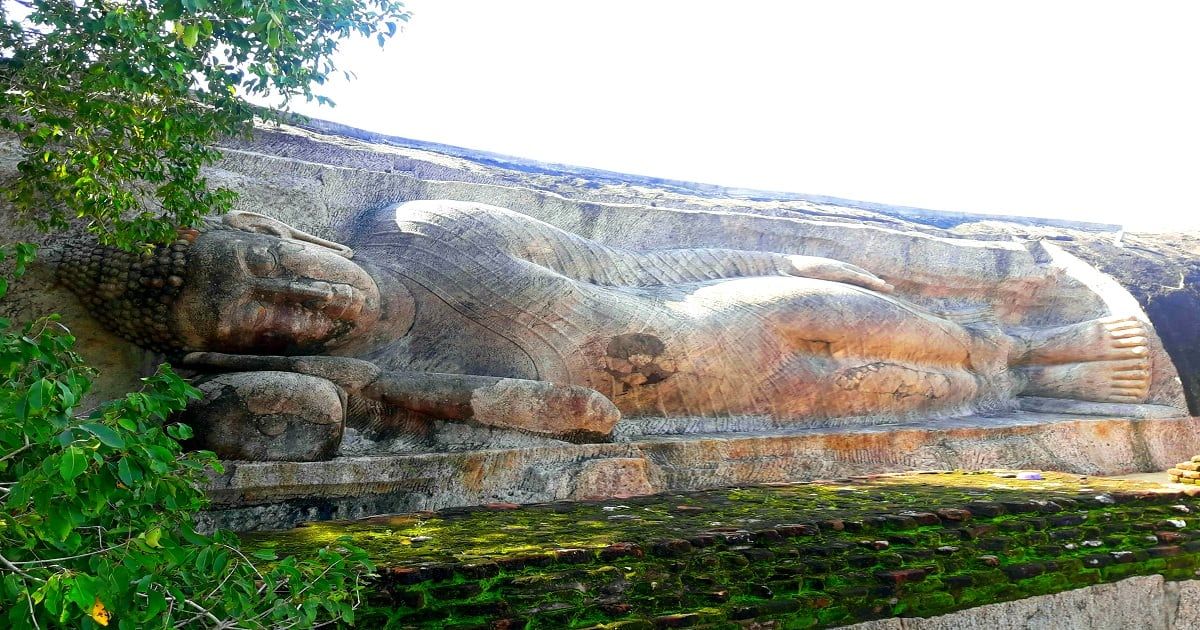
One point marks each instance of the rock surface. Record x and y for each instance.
(1144, 602)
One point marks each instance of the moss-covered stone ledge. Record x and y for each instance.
(802, 555)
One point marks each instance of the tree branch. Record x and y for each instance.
(8, 566)
(18, 451)
(32, 613)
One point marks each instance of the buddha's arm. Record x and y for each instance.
(526, 238)
(566, 412)
(676, 266)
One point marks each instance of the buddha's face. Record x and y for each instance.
(256, 293)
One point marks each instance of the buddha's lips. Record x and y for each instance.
(287, 325)
(313, 312)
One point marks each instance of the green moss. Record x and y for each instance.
(804, 555)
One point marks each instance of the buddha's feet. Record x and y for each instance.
(1106, 339)
(1120, 381)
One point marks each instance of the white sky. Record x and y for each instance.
(1084, 110)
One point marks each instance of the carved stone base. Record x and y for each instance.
(277, 495)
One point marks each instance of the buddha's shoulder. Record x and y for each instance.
(443, 221)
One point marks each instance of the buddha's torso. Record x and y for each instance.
(479, 310)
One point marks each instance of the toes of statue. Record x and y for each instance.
(268, 416)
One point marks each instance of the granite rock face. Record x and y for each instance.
(1146, 602)
(982, 277)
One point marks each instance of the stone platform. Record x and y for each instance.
(279, 495)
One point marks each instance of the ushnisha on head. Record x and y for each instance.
(245, 283)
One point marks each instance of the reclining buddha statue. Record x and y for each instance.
(456, 311)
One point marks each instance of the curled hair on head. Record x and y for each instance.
(133, 294)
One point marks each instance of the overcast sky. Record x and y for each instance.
(1084, 110)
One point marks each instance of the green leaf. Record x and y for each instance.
(156, 603)
(38, 394)
(105, 434)
(191, 33)
(160, 453)
(202, 558)
(53, 593)
(82, 591)
(127, 473)
(59, 527)
(66, 394)
(72, 464)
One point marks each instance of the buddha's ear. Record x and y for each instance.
(262, 224)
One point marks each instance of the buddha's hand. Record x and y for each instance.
(836, 271)
(351, 375)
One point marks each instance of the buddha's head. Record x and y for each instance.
(243, 284)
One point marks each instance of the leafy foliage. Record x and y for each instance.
(118, 102)
(96, 510)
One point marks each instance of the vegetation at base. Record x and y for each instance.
(116, 106)
(799, 555)
(97, 509)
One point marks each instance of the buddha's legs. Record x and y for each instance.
(847, 351)
(860, 353)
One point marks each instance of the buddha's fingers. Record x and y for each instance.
(874, 283)
(350, 374)
(237, 362)
(861, 278)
